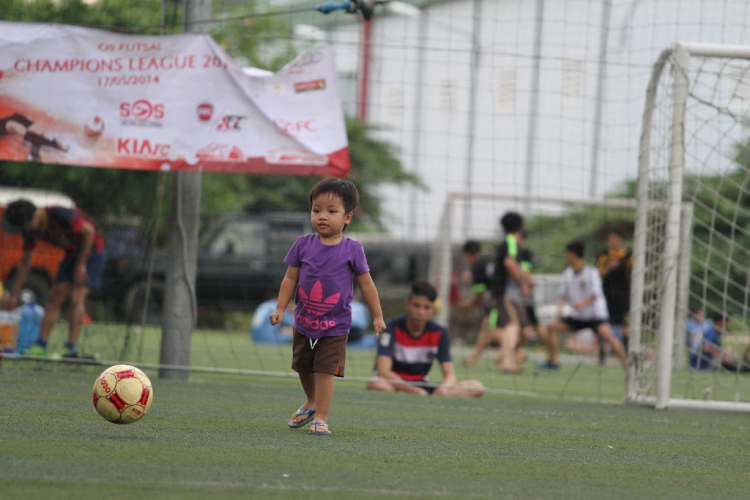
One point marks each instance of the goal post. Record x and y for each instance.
(693, 131)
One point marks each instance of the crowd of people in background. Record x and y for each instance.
(593, 299)
(502, 288)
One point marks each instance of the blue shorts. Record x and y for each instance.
(94, 268)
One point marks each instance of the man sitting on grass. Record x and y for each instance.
(582, 288)
(408, 346)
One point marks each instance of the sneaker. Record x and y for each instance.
(548, 365)
(68, 352)
(36, 350)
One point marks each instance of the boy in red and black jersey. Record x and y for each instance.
(80, 270)
(409, 345)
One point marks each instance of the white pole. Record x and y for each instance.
(600, 89)
(416, 135)
(534, 103)
(474, 68)
(681, 64)
(641, 230)
(441, 263)
(683, 284)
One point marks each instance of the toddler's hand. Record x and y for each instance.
(378, 324)
(276, 316)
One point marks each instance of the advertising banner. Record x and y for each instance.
(80, 96)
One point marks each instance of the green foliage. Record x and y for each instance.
(373, 161)
(720, 236)
(100, 192)
(548, 234)
(107, 14)
(259, 41)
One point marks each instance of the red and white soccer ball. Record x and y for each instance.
(93, 127)
(122, 394)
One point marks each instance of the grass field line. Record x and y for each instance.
(261, 373)
(273, 487)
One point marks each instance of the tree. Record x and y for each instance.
(143, 15)
(374, 162)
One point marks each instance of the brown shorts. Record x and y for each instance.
(510, 312)
(328, 355)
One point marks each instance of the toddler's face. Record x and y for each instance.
(328, 215)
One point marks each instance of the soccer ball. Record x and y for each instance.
(122, 394)
(93, 127)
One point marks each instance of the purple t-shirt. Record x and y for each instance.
(325, 284)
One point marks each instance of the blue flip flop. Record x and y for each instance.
(320, 433)
(311, 416)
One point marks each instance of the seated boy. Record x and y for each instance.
(408, 346)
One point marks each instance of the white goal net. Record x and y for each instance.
(691, 252)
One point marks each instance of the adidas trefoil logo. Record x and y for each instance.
(315, 303)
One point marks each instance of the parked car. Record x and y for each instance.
(45, 259)
(394, 265)
(241, 264)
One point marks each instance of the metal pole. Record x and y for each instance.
(416, 137)
(180, 306)
(364, 77)
(534, 103)
(600, 88)
(681, 62)
(473, 84)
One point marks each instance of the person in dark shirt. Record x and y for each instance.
(409, 345)
(80, 270)
(482, 268)
(511, 288)
(615, 267)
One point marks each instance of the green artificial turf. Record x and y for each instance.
(234, 351)
(221, 436)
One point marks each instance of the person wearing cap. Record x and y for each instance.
(80, 270)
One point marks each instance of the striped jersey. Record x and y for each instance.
(62, 227)
(412, 357)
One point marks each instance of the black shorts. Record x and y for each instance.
(420, 383)
(94, 269)
(327, 356)
(531, 316)
(581, 324)
(429, 388)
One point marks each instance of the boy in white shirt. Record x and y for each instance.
(582, 288)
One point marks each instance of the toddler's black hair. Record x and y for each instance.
(346, 190)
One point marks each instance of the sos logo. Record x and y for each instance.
(142, 110)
